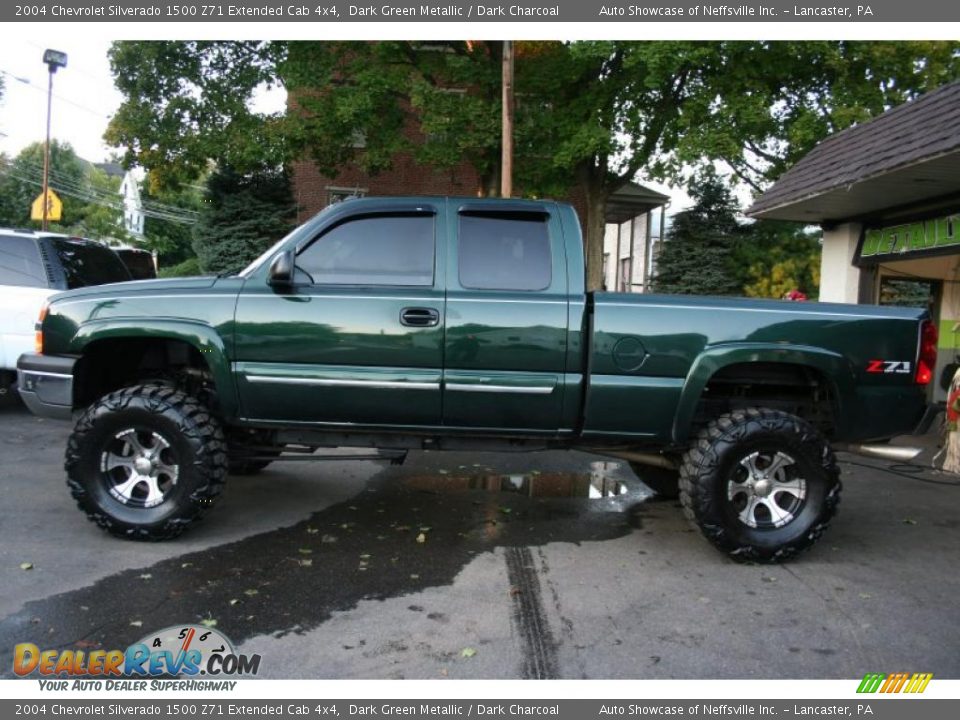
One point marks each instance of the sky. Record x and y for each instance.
(83, 96)
(84, 99)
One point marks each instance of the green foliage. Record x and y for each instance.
(776, 257)
(709, 252)
(772, 102)
(698, 255)
(91, 201)
(590, 115)
(189, 101)
(22, 181)
(187, 268)
(242, 216)
(171, 239)
(102, 217)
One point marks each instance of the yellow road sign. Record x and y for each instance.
(54, 207)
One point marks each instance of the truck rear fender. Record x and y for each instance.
(832, 367)
(202, 337)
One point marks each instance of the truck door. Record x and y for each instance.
(359, 339)
(506, 318)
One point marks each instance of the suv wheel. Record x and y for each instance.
(760, 484)
(146, 461)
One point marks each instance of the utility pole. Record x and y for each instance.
(54, 59)
(506, 142)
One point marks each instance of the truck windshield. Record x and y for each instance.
(87, 263)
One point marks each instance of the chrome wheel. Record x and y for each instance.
(767, 489)
(139, 467)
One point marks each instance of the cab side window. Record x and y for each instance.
(384, 250)
(504, 251)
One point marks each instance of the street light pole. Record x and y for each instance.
(54, 59)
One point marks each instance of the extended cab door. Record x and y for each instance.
(359, 339)
(507, 303)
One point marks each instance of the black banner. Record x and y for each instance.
(325, 11)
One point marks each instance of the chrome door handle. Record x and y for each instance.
(419, 317)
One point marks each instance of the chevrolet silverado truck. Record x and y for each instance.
(464, 324)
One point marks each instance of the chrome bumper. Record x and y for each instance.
(45, 382)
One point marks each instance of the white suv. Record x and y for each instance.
(33, 266)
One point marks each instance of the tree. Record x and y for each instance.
(774, 257)
(188, 102)
(168, 230)
(774, 101)
(698, 255)
(22, 182)
(590, 115)
(244, 214)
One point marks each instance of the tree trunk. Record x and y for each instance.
(594, 226)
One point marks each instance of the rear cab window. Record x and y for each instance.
(20, 263)
(504, 251)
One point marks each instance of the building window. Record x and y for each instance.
(339, 194)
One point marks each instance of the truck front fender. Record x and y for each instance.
(833, 366)
(203, 337)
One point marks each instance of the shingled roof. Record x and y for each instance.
(833, 180)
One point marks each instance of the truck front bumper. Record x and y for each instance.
(45, 383)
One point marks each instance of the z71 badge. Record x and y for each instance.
(899, 367)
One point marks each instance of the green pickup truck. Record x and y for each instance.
(464, 324)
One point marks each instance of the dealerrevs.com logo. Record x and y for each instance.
(180, 651)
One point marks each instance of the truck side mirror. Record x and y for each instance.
(280, 275)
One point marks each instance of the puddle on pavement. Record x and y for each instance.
(413, 527)
(602, 482)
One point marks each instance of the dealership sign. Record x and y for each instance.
(908, 239)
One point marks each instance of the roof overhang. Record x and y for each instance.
(872, 197)
(632, 200)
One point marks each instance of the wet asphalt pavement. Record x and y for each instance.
(539, 565)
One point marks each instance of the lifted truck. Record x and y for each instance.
(457, 323)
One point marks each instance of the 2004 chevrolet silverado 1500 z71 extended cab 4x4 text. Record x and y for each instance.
(445, 323)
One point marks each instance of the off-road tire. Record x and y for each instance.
(195, 439)
(663, 481)
(711, 466)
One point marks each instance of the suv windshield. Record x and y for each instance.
(87, 263)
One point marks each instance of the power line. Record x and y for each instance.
(94, 197)
(29, 83)
(186, 215)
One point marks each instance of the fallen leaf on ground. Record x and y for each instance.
(136, 623)
(26, 566)
(421, 538)
(251, 592)
(468, 652)
(209, 622)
